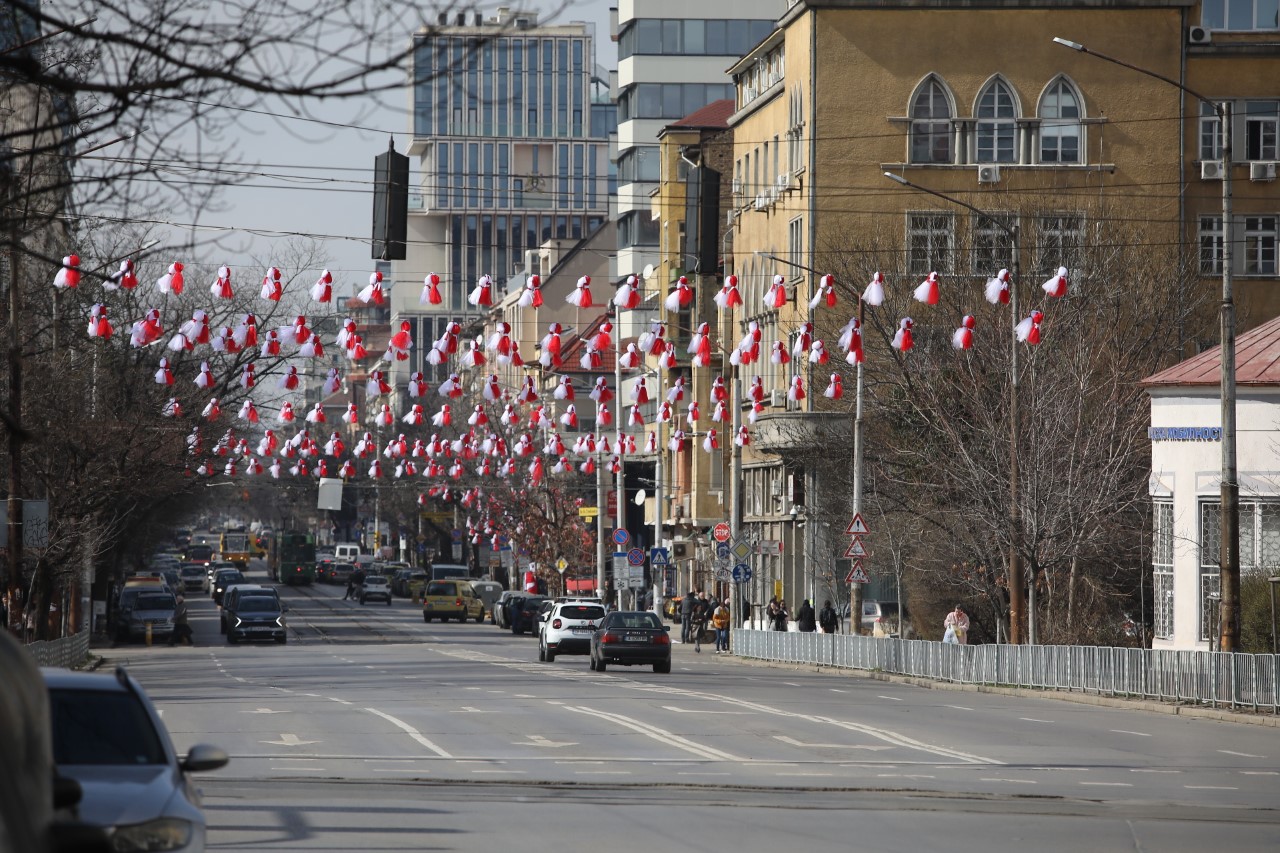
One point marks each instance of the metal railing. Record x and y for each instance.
(1202, 677)
(68, 652)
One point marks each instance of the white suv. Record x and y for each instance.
(568, 628)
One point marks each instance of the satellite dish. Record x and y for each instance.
(640, 496)
(647, 272)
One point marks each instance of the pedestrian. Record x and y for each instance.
(781, 616)
(771, 613)
(806, 619)
(354, 580)
(957, 627)
(828, 618)
(720, 621)
(686, 615)
(181, 624)
(698, 626)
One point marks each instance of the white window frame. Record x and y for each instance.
(932, 127)
(1210, 238)
(1258, 253)
(937, 231)
(1210, 133)
(991, 246)
(795, 249)
(1262, 130)
(994, 128)
(1215, 15)
(1259, 549)
(1162, 568)
(1054, 126)
(1058, 240)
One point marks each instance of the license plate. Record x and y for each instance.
(636, 638)
(582, 631)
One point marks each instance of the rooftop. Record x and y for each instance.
(713, 115)
(1257, 362)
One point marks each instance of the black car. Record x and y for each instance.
(223, 579)
(631, 638)
(256, 617)
(524, 613)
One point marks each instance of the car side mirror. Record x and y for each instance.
(204, 757)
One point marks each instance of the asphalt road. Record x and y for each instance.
(373, 730)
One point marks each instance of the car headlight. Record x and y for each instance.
(280, 621)
(239, 621)
(164, 834)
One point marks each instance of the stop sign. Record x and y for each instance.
(721, 532)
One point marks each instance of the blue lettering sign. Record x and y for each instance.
(1184, 433)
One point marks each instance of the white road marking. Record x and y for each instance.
(1034, 720)
(791, 684)
(890, 698)
(1241, 754)
(263, 711)
(468, 709)
(539, 740)
(289, 740)
(1260, 772)
(1125, 732)
(1012, 781)
(835, 690)
(959, 707)
(691, 773)
(521, 772)
(1210, 788)
(1109, 784)
(340, 701)
(793, 742)
(602, 773)
(679, 710)
(312, 695)
(903, 776)
(805, 775)
(662, 735)
(412, 732)
(1142, 770)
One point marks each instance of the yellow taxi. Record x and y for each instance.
(451, 599)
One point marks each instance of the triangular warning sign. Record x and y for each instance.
(857, 526)
(858, 574)
(856, 548)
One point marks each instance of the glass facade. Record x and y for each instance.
(691, 37)
(669, 100)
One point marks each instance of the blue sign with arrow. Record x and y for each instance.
(741, 573)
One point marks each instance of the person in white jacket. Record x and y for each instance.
(957, 627)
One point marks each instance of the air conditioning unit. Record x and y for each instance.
(777, 398)
(680, 550)
(775, 488)
(1262, 171)
(784, 180)
(773, 194)
(737, 186)
(1211, 170)
(762, 201)
(989, 174)
(730, 217)
(1199, 35)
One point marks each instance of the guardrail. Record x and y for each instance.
(68, 652)
(1211, 678)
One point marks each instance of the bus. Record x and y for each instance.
(292, 558)
(234, 546)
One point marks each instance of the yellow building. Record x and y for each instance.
(974, 100)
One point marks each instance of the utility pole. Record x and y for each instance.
(16, 433)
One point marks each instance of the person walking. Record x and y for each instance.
(957, 627)
(806, 619)
(181, 624)
(720, 621)
(354, 580)
(828, 618)
(781, 616)
(698, 624)
(686, 615)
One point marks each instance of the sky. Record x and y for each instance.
(326, 188)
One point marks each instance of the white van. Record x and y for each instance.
(346, 552)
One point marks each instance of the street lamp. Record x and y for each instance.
(1016, 580)
(1229, 554)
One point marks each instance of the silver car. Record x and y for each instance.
(108, 737)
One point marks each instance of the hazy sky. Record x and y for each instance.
(324, 173)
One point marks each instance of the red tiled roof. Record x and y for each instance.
(1257, 362)
(714, 114)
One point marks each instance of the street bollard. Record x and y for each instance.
(148, 633)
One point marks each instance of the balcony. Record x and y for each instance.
(793, 432)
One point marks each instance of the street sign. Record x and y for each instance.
(723, 574)
(620, 568)
(456, 536)
(588, 511)
(635, 574)
(561, 565)
(741, 549)
(857, 526)
(857, 574)
(721, 532)
(635, 557)
(621, 536)
(659, 557)
(741, 573)
(769, 547)
(856, 548)
(722, 550)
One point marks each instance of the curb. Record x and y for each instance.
(1152, 706)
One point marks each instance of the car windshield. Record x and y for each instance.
(637, 620)
(441, 588)
(376, 580)
(192, 571)
(102, 727)
(230, 577)
(581, 611)
(155, 602)
(258, 604)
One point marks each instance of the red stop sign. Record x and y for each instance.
(721, 532)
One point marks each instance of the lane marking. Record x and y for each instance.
(1142, 770)
(521, 772)
(1241, 754)
(1034, 720)
(679, 710)
(806, 775)
(903, 776)
(835, 690)
(411, 731)
(602, 773)
(1260, 772)
(959, 707)
(1109, 784)
(793, 742)
(890, 698)
(691, 773)
(1210, 788)
(662, 735)
(1011, 781)
(340, 701)
(1125, 732)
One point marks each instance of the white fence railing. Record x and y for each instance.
(66, 652)
(1211, 678)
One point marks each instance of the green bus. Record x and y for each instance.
(292, 558)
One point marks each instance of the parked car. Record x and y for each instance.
(451, 599)
(568, 630)
(108, 737)
(257, 616)
(501, 615)
(154, 609)
(488, 592)
(403, 579)
(540, 616)
(523, 611)
(128, 598)
(885, 612)
(375, 588)
(631, 638)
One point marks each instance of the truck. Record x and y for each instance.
(234, 546)
(292, 558)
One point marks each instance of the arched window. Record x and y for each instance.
(1060, 129)
(996, 127)
(931, 123)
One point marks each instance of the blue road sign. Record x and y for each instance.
(621, 536)
(659, 557)
(741, 573)
(635, 557)
(456, 536)
(722, 550)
